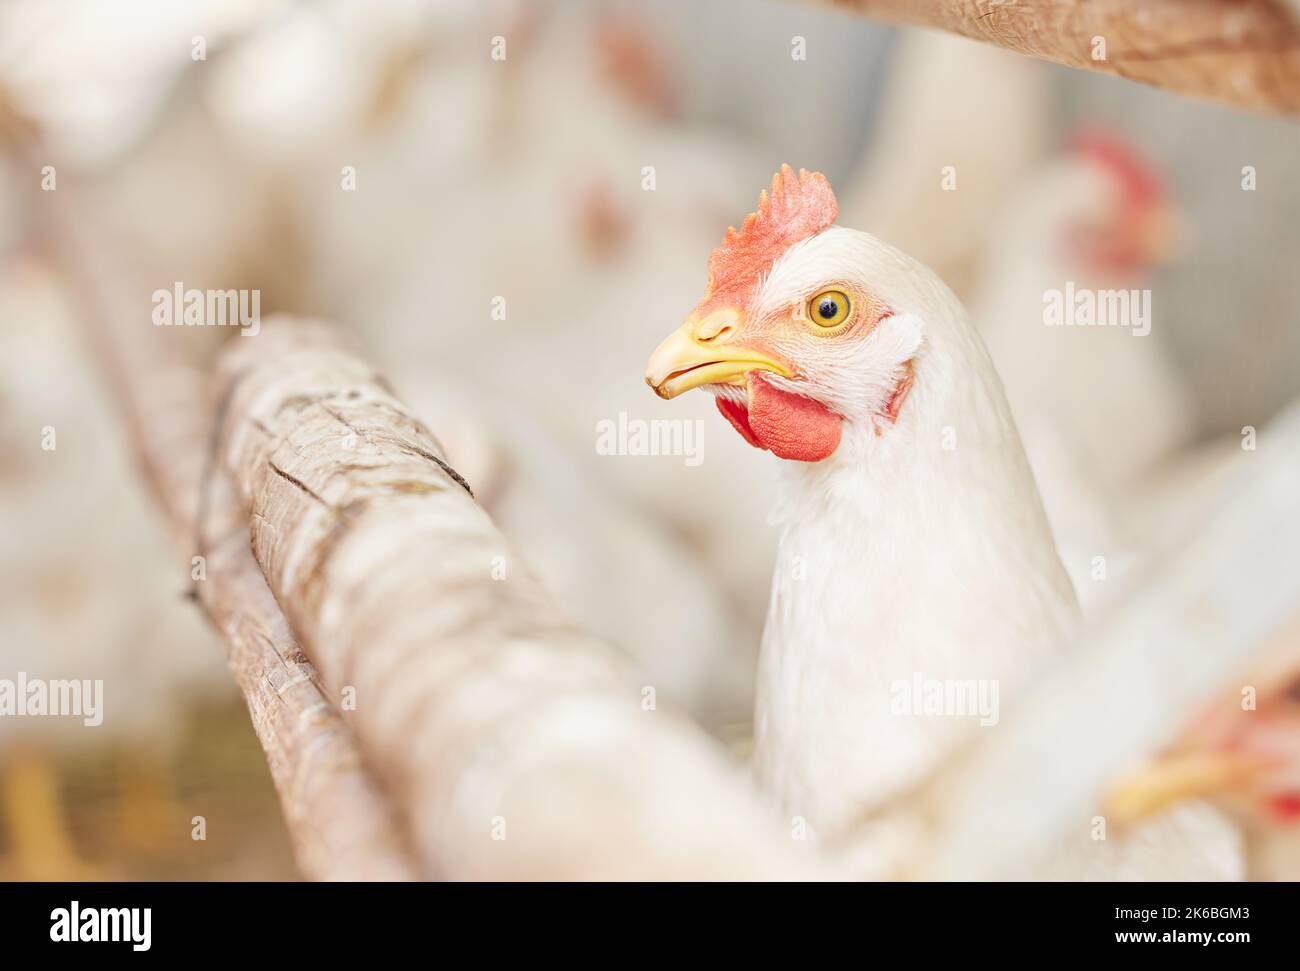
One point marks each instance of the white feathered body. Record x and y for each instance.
(917, 568)
(920, 552)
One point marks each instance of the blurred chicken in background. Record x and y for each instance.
(1099, 402)
(1243, 752)
(946, 154)
(92, 592)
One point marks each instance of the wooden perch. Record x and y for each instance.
(1244, 53)
(339, 822)
(517, 746)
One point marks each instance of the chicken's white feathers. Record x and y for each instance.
(917, 549)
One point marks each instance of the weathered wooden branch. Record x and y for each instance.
(517, 746)
(1240, 52)
(339, 822)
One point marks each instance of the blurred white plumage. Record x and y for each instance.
(1098, 406)
(92, 589)
(945, 153)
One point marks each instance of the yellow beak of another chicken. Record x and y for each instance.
(1172, 779)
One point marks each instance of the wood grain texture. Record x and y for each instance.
(517, 746)
(1244, 53)
(340, 823)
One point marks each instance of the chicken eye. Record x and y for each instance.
(830, 308)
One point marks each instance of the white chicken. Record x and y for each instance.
(917, 584)
(831, 348)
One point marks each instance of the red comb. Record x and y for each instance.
(1142, 183)
(799, 206)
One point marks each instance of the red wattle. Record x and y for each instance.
(738, 415)
(790, 425)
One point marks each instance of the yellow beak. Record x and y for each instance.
(1175, 778)
(684, 361)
